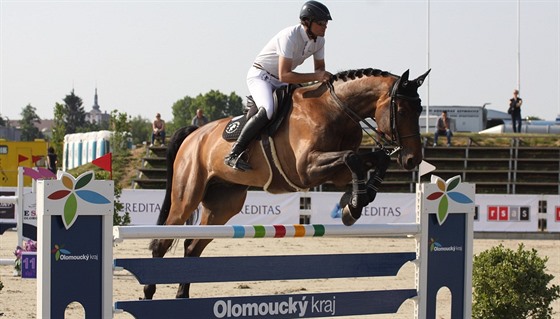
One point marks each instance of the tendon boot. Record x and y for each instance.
(249, 132)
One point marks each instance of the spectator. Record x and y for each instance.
(515, 111)
(52, 160)
(199, 119)
(158, 130)
(443, 127)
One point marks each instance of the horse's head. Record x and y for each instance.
(400, 119)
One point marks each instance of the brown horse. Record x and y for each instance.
(317, 143)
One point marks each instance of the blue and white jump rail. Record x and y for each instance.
(76, 262)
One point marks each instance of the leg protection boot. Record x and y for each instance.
(249, 132)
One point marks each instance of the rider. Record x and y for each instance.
(273, 67)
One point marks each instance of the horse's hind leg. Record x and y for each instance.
(159, 247)
(193, 248)
(221, 202)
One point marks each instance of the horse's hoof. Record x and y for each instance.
(347, 218)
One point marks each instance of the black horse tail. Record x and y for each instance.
(174, 143)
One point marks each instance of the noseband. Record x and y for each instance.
(395, 137)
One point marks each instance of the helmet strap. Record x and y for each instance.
(307, 25)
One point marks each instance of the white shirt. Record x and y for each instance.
(292, 43)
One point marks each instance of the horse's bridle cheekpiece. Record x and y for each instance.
(395, 138)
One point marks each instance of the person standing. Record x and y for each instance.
(443, 127)
(515, 107)
(52, 160)
(274, 67)
(158, 129)
(199, 119)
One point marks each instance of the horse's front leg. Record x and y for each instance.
(363, 193)
(327, 166)
(380, 160)
(359, 198)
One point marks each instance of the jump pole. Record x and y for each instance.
(445, 211)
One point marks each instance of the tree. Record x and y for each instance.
(183, 111)
(59, 129)
(120, 126)
(215, 105)
(2, 122)
(140, 129)
(29, 117)
(75, 116)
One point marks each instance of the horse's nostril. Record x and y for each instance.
(410, 163)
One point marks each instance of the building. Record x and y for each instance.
(95, 116)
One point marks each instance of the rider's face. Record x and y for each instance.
(319, 27)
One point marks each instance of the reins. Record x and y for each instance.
(395, 138)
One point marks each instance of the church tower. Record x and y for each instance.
(95, 115)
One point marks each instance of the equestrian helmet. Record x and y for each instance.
(314, 11)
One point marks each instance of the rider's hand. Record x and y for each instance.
(324, 76)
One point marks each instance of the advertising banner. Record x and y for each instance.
(29, 216)
(259, 208)
(262, 208)
(494, 213)
(506, 213)
(386, 208)
(553, 213)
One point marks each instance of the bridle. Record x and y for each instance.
(395, 139)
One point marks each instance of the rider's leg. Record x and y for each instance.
(249, 132)
(261, 85)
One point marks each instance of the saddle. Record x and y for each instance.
(278, 182)
(282, 105)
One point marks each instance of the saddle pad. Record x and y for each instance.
(234, 127)
(283, 104)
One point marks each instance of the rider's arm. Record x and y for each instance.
(287, 75)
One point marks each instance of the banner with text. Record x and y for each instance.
(494, 213)
(387, 208)
(259, 208)
(506, 213)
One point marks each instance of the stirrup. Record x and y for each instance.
(235, 161)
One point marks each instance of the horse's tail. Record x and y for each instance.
(174, 143)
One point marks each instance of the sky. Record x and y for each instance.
(142, 56)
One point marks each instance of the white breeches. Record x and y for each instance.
(261, 85)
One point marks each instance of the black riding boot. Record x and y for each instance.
(250, 130)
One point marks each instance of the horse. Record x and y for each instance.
(316, 143)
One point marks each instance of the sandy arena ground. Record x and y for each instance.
(18, 298)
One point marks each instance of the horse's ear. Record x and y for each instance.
(404, 76)
(403, 81)
(420, 80)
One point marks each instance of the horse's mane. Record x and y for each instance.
(353, 74)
